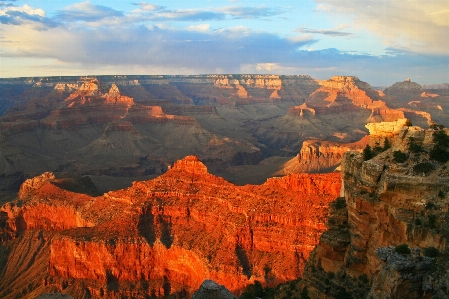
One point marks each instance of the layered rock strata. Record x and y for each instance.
(385, 203)
(167, 235)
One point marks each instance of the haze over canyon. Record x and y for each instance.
(271, 186)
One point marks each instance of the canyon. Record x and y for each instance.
(148, 186)
(163, 236)
(121, 128)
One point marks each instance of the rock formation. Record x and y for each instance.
(321, 156)
(209, 289)
(386, 203)
(167, 235)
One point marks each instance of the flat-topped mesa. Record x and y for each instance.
(250, 81)
(190, 164)
(341, 82)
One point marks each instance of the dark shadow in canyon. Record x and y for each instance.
(243, 260)
(146, 225)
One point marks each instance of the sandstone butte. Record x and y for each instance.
(162, 236)
(385, 204)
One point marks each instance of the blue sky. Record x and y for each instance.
(379, 41)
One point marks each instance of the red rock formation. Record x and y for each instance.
(321, 156)
(176, 231)
(342, 93)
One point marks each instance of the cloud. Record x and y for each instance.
(19, 15)
(87, 12)
(148, 7)
(417, 26)
(200, 52)
(329, 32)
(185, 15)
(200, 27)
(151, 12)
(250, 12)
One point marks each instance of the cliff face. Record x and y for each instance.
(167, 235)
(321, 156)
(385, 203)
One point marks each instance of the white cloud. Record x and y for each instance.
(418, 26)
(148, 7)
(200, 27)
(25, 9)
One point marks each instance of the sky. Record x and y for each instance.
(380, 41)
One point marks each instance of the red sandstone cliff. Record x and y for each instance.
(169, 234)
(321, 156)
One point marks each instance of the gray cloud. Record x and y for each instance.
(328, 32)
(13, 15)
(87, 12)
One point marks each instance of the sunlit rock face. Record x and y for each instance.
(167, 235)
(322, 156)
(385, 203)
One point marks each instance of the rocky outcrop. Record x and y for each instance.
(301, 110)
(400, 275)
(385, 204)
(321, 156)
(91, 103)
(341, 93)
(209, 289)
(174, 232)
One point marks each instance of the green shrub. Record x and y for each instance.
(430, 205)
(363, 278)
(441, 194)
(413, 147)
(330, 275)
(304, 294)
(436, 126)
(440, 137)
(402, 249)
(343, 294)
(387, 144)
(399, 157)
(253, 290)
(439, 154)
(431, 252)
(408, 123)
(432, 221)
(417, 221)
(368, 153)
(424, 167)
(340, 203)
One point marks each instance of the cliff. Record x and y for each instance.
(321, 156)
(167, 235)
(387, 202)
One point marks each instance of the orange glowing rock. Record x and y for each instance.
(177, 230)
